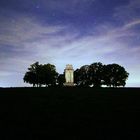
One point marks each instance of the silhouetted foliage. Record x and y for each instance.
(77, 76)
(81, 76)
(30, 78)
(89, 75)
(115, 75)
(98, 74)
(49, 75)
(39, 75)
(61, 79)
(32, 75)
(95, 74)
(84, 77)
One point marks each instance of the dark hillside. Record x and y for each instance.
(69, 113)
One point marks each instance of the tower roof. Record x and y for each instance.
(69, 66)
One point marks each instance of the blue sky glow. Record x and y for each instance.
(61, 32)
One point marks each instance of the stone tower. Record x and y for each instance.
(69, 75)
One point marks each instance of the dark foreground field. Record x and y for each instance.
(69, 113)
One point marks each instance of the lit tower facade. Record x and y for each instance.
(69, 75)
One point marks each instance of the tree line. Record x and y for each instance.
(39, 75)
(96, 75)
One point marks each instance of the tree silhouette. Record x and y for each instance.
(98, 74)
(32, 75)
(30, 78)
(39, 74)
(49, 75)
(77, 76)
(61, 79)
(81, 76)
(95, 73)
(115, 75)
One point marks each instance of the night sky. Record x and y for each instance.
(61, 32)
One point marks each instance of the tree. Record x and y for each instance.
(95, 74)
(115, 75)
(31, 76)
(61, 79)
(77, 76)
(81, 76)
(39, 75)
(49, 75)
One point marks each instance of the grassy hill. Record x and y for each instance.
(69, 113)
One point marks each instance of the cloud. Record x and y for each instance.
(132, 24)
(128, 12)
(25, 40)
(24, 29)
(18, 37)
(4, 73)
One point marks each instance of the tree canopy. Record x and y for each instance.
(98, 74)
(95, 74)
(61, 79)
(39, 74)
(115, 75)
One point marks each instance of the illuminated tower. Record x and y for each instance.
(69, 75)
